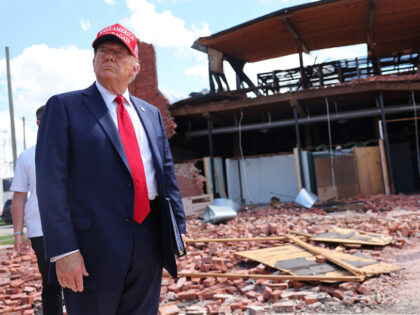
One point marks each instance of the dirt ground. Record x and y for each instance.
(398, 293)
(406, 292)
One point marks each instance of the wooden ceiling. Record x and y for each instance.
(390, 26)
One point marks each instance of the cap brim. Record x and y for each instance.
(105, 38)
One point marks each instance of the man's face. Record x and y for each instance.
(113, 63)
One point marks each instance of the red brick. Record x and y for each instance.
(251, 294)
(207, 294)
(363, 289)
(174, 288)
(311, 299)
(338, 294)
(168, 309)
(231, 289)
(267, 293)
(187, 295)
(275, 296)
(284, 307)
(320, 259)
(17, 296)
(348, 285)
(209, 282)
(16, 283)
(224, 310)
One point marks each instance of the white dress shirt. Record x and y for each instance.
(146, 153)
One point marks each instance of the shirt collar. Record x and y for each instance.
(109, 97)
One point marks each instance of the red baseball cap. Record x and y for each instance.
(119, 32)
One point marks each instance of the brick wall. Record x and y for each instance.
(145, 86)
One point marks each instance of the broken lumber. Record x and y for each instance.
(331, 258)
(269, 277)
(240, 239)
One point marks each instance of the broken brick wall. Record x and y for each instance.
(190, 181)
(145, 86)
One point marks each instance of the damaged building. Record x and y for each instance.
(340, 128)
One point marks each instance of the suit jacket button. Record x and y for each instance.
(127, 219)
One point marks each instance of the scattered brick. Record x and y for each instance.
(168, 309)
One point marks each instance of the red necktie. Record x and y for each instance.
(132, 150)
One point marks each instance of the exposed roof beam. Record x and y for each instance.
(198, 46)
(337, 90)
(296, 35)
(369, 33)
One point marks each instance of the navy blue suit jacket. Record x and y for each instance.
(85, 189)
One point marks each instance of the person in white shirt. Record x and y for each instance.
(25, 211)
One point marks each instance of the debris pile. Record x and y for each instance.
(242, 290)
(20, 283)
(217, 278)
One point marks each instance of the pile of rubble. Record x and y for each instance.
(20, 283)
(244, 292)
(391, 215)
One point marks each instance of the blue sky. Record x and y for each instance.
(50, 47)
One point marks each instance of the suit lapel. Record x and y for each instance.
(97, 106)
(147, 122)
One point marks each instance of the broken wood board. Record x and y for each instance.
(195, 205)
(264, 277)
(349, 236)
(297, 261)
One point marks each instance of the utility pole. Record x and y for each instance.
(24, 134)
(12, 115)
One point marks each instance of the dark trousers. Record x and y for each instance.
(52, 299)
(141, 289)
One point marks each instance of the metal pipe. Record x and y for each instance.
(212, 170)
(12, 115)
(24, 134)
(302, 121)
(387, 148)
(299, 151)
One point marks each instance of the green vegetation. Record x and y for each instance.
(6, 240)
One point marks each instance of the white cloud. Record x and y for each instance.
(200, 70)
(6, 153)
(38, 73)
(85, 24)
(110, 2)
(161, 28)
(172, 95)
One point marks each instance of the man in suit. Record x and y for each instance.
(104, 170)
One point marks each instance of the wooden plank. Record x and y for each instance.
(384, 167)
(239, 239)
(369, 173)
(345, 177)
(350, 236)
(276, 257)
(206, 162)
(332, 258)
(267, 277)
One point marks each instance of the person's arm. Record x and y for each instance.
(171, 183)
(52, 167)
(18, 207)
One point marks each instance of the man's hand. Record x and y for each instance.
(70, 271)
(19, 243)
